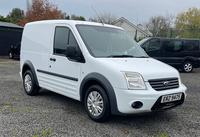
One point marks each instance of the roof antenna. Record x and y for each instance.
(98, 16)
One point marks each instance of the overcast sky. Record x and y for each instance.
(128, 9)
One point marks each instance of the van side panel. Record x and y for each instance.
(36, 44)
(37, 38)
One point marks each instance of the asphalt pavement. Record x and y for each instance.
(52, 115)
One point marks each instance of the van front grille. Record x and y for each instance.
(164, 84)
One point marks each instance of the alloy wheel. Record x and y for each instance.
(95, 103)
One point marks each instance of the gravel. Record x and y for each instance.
(50, 114)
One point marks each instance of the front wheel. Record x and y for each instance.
(187, 67)
(97, 103)
(30, 86)
(10, 55)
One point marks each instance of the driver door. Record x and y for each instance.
(65, 73)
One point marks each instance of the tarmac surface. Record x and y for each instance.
(52, 115)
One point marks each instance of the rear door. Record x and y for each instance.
(64, 72)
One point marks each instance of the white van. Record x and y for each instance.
(100, 65)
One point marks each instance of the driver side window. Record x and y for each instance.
(61, 40)
(152, 44)
(63, 37)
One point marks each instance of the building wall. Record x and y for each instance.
(130, 29)
(8, 37)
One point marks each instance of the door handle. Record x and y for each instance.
(52, 59)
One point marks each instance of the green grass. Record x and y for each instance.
(28, 111)
(84, 119)
(6, 106)
(43, 116)
(163, 135)
(14, 111)
(8, 64)
(70, 111)
(193, 112)
(13, 133)
(45, 132)
(53, 134)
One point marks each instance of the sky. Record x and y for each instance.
(136, 11)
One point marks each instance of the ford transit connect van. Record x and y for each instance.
(99, 65)
(180, 53)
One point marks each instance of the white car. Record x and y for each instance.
(99, 65)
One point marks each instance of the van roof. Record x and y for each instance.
(71, 22)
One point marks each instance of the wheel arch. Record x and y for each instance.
(29, 66)
(96, 78)
(188, 58)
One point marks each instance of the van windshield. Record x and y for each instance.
(142, 41)
(109, 42)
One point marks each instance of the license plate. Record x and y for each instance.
(170, 98)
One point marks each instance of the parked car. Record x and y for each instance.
(99, 65)
(180, 53)
(14, 51)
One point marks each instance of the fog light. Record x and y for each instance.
(137, 104)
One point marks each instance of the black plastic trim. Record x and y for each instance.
(58, 75)
(158, 106)
(106, 85)
(28, 63)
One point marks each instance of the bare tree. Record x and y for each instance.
(159, 26)
(106, 17)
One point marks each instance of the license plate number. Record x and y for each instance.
(170, 98)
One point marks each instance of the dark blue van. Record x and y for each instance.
(180, 53)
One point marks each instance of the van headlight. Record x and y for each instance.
(134, 80)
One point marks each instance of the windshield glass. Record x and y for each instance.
(142, 41)
(109, 42)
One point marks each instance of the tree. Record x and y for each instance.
(106, 17)
(41, 10)
(15, 15)
(74, 17)
(67, 17)
(5, 19)
(159, 26)
(188, 23)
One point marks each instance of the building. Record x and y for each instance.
(131, 28)
(9, 35)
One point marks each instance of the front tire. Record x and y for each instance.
(30, 86)
(187, 67)
(97, 103)
(10, 55)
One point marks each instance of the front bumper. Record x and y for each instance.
(150, 98)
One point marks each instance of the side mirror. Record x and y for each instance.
(71, 51)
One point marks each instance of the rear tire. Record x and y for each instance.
(30, 86)
(97, 104)
(187, 66)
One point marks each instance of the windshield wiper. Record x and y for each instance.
(119, 56)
